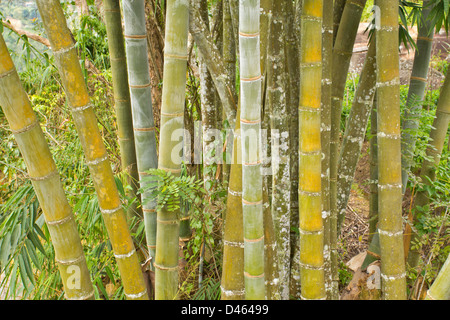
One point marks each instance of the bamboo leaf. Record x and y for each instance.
(32, 253)
(15, 236)
(36, 242)
(102, 288)
(23, 271)
(27, 264)
(5, 249)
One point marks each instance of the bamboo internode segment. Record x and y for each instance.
(390, 225)
(45, 180)
(62, 44)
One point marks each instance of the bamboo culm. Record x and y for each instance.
(114, 217)
(355, 130)
(342, 53)
(390, 224)
(416, 91)
(46, 181)
(172, 119)
(309, 192)
(250, 84)
(113, 22)
(141, 106)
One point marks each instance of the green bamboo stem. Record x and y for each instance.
(276, 104)
(122, 102)
(438, 134)
(140, 93)
(66, 58)
(440, 289)
(339, 6)
(250, 84)
(342, 53)
(232, 281)
(355, 130)
(416, 92)
(172, 115)
(46, 181)
(390, 228)
(310, 154)
(373, 183)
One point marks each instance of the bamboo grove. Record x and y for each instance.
(245, 97)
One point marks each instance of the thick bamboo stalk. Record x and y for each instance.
(390, 228)
(122, 102)
(64, 50)
(342, 53)
(440, 289)
(416, 92)
(172, 115)
(339, 6)
(276, 104)
(355, 130)
(140, 93)
(45, 180)
(232, 281)
(310, 154)
(438, 134)
(250, 83)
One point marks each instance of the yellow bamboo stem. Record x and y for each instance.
(66, 58)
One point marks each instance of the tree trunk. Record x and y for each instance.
(72, 78)
(45, 178)
(276, 105)
(211, 56)
(330, 224)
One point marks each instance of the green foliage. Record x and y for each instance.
(170, 190)
(439, 14)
